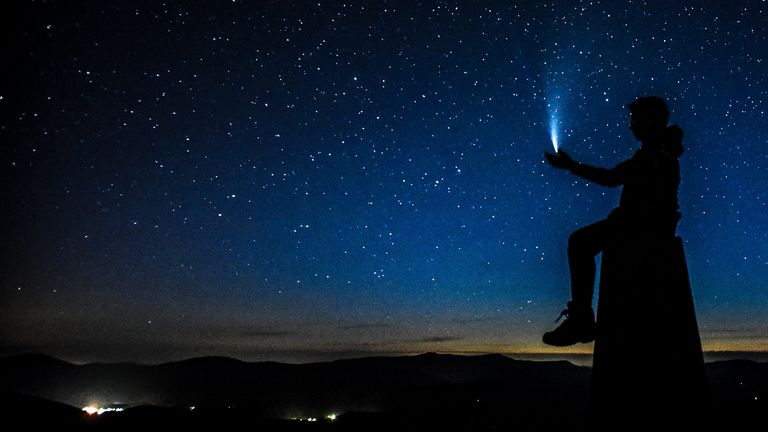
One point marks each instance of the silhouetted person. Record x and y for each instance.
(648, 209)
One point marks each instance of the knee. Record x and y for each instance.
(579, 241)
(575, 240)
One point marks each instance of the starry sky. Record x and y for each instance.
(306, 180)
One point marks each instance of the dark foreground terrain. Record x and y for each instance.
(489, 392)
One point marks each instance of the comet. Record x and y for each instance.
(553, 132)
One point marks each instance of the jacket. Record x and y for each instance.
(650, 180)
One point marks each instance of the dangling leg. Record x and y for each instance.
(579, 326)
(583, 246)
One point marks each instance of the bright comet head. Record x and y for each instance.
(553, 133)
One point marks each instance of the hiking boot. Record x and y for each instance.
(579, 326)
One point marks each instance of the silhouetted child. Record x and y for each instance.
(648, 208)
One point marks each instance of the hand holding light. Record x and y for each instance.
(561, 159)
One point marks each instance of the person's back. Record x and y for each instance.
(651, 182)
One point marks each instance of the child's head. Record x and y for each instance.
(649, 116)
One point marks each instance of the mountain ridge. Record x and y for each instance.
(484, 391)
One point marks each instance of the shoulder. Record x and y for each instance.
(672, 141)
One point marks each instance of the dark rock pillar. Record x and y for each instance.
(648, 364)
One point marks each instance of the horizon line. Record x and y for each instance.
(563, 355)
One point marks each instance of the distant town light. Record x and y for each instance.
(92, 409)
(304, 419)
(331, 416)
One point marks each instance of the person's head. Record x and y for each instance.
(649, 117)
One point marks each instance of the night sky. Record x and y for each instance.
(297, 181)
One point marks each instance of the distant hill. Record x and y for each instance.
(358, 384)
(474, 392)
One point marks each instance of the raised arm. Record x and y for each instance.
(610, 177)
